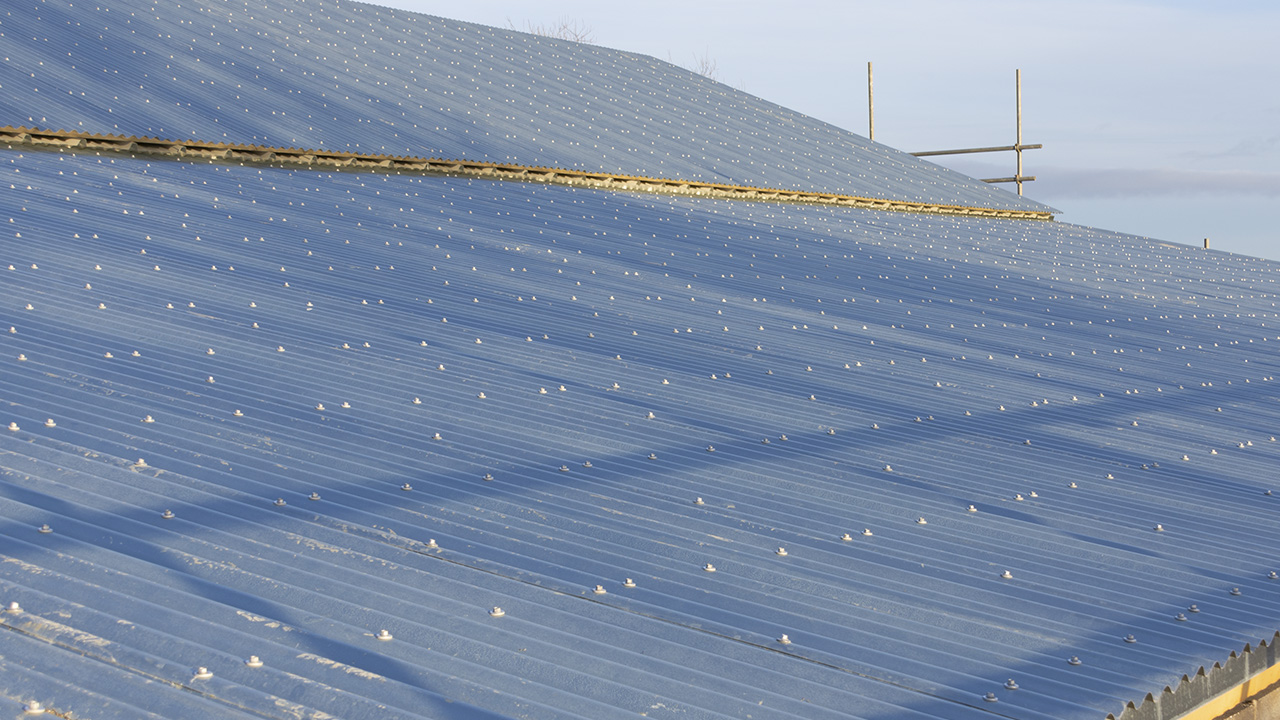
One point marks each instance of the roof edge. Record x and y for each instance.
(1213, 692)
(191, 150)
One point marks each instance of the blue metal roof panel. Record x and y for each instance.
(361, 78)
(936, 347)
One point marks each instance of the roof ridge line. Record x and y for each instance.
(191, 150)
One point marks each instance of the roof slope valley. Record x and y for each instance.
(353, 77)
(273, 413)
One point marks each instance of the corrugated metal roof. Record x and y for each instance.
(356, 77)
(962, 338)
(272, 413)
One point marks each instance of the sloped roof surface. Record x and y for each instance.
(932, 346)
(260, 412)
(355, 77)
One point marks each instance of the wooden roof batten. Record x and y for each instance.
(194, 150)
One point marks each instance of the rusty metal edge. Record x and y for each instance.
(193, 150)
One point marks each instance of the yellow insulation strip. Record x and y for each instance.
(1225, 701)
(190, 150)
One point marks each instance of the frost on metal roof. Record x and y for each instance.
(360, 78)
(274, 413)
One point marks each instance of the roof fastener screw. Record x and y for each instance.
(711, 448)
(709, 567)
(599, 590)
(406, 487)
(237, 413)
(13, 607)
(167, 515)
(313, 496)
(203, 673)
(254, 661)
(888, 468)
(431, 543)
(1236, 591)
(1073, 660)
(564, 468)
(1180, 617)
(1193, 608)
(867, 532)
(1272, 575)
(846, 537)
(45, 529)
(383, 635)
(280, 502)
(921, 521)
(496, 612)
(437, 436)
(628, 583)
(991, 697)
(784, 640)
(488, 477)
(1006, 575)
(1130, 638)
(972, 509)
(653, 456)
(50, 423)
(782, 552)
(1159, 528)
(33, 708)
(13, 427)
(1011, 685)
(586, 464)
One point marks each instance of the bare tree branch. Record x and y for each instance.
(704, 64)
(561, 29)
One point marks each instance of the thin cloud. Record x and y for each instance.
(1151, 182)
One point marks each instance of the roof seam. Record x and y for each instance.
(189, 150)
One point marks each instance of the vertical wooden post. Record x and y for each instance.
(871, 106)
(1017, 75)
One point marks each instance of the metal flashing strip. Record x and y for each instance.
(36, 138)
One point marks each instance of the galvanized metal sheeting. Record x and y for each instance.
(359, 78)
(913, 620)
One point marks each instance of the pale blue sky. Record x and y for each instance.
(1158, 118)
